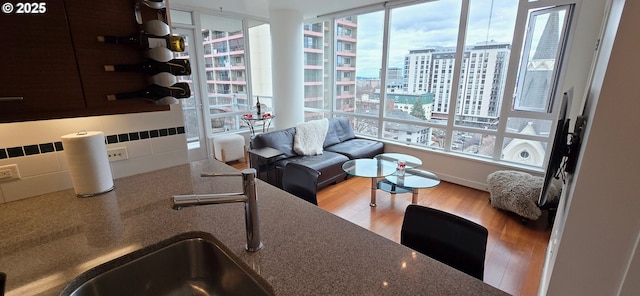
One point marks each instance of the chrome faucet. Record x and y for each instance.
(248, 196)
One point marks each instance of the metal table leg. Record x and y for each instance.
(374, 187)
(414, 196)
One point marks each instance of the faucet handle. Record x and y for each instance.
(221, 174)
(245, 172)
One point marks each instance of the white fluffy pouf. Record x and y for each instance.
(229, 147)
(518, 192)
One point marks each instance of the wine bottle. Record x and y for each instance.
(258, 106)
(160, 54)
(175, 67)
(155, 4)
(155, 92)
(156, 27)
(163, 79)
(146, 40)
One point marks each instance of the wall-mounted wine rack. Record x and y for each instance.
(157, 44)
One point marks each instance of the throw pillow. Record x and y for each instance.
(310, 136)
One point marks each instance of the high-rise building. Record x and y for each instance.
(482, 79)
(346, 36)
(318, 54)
(314, 65)
(225, 67)
(394, 78)
(224, 61)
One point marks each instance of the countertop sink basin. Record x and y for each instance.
(185, 266)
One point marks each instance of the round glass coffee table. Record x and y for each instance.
(370, 168)
(411, 181)
(410, 161)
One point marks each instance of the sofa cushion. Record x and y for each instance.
(357, 148)
(339, 130)
(281, 140)
(329, 164)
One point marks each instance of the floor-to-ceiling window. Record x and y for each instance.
(234, 54)
(223, 45)
(192, 113)
(233, 84)
(531, 113)
(337, 81)
(471, 77)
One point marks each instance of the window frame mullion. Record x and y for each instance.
(514, 60)
(383, 74)
(247, 61)
(455, 81)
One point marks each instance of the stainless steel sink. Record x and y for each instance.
(179, 266)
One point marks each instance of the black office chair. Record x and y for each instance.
(301, 181)
(448, 238)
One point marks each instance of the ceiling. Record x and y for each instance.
(260, 8)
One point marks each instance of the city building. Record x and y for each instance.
(482, 80)
(225, 67)
(317, 56)
(346, 35)
(394, 78)
(314, 65)
(407, 102)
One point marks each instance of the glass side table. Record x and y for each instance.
(253, 118)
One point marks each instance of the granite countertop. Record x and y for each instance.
(47, 241)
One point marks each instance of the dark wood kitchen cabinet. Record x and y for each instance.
(39, 73)
(54, 64)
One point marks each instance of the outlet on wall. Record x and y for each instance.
(116, 154)
(9, 172)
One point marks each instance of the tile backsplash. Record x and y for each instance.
(153, 140)
(13, 152)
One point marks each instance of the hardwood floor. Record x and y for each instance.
(515, 251)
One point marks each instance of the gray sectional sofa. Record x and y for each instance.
(340, 145)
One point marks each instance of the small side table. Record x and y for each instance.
(265, 157)
(251, 120)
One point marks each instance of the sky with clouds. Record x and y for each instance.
(427, 25)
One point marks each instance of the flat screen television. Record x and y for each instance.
(564, 151)
(559, 151)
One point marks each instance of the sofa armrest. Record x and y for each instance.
(281, 140)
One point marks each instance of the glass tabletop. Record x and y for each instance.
(253, 118)
(371, 168)
(410, 161)
(414, 178)
(257, 117)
